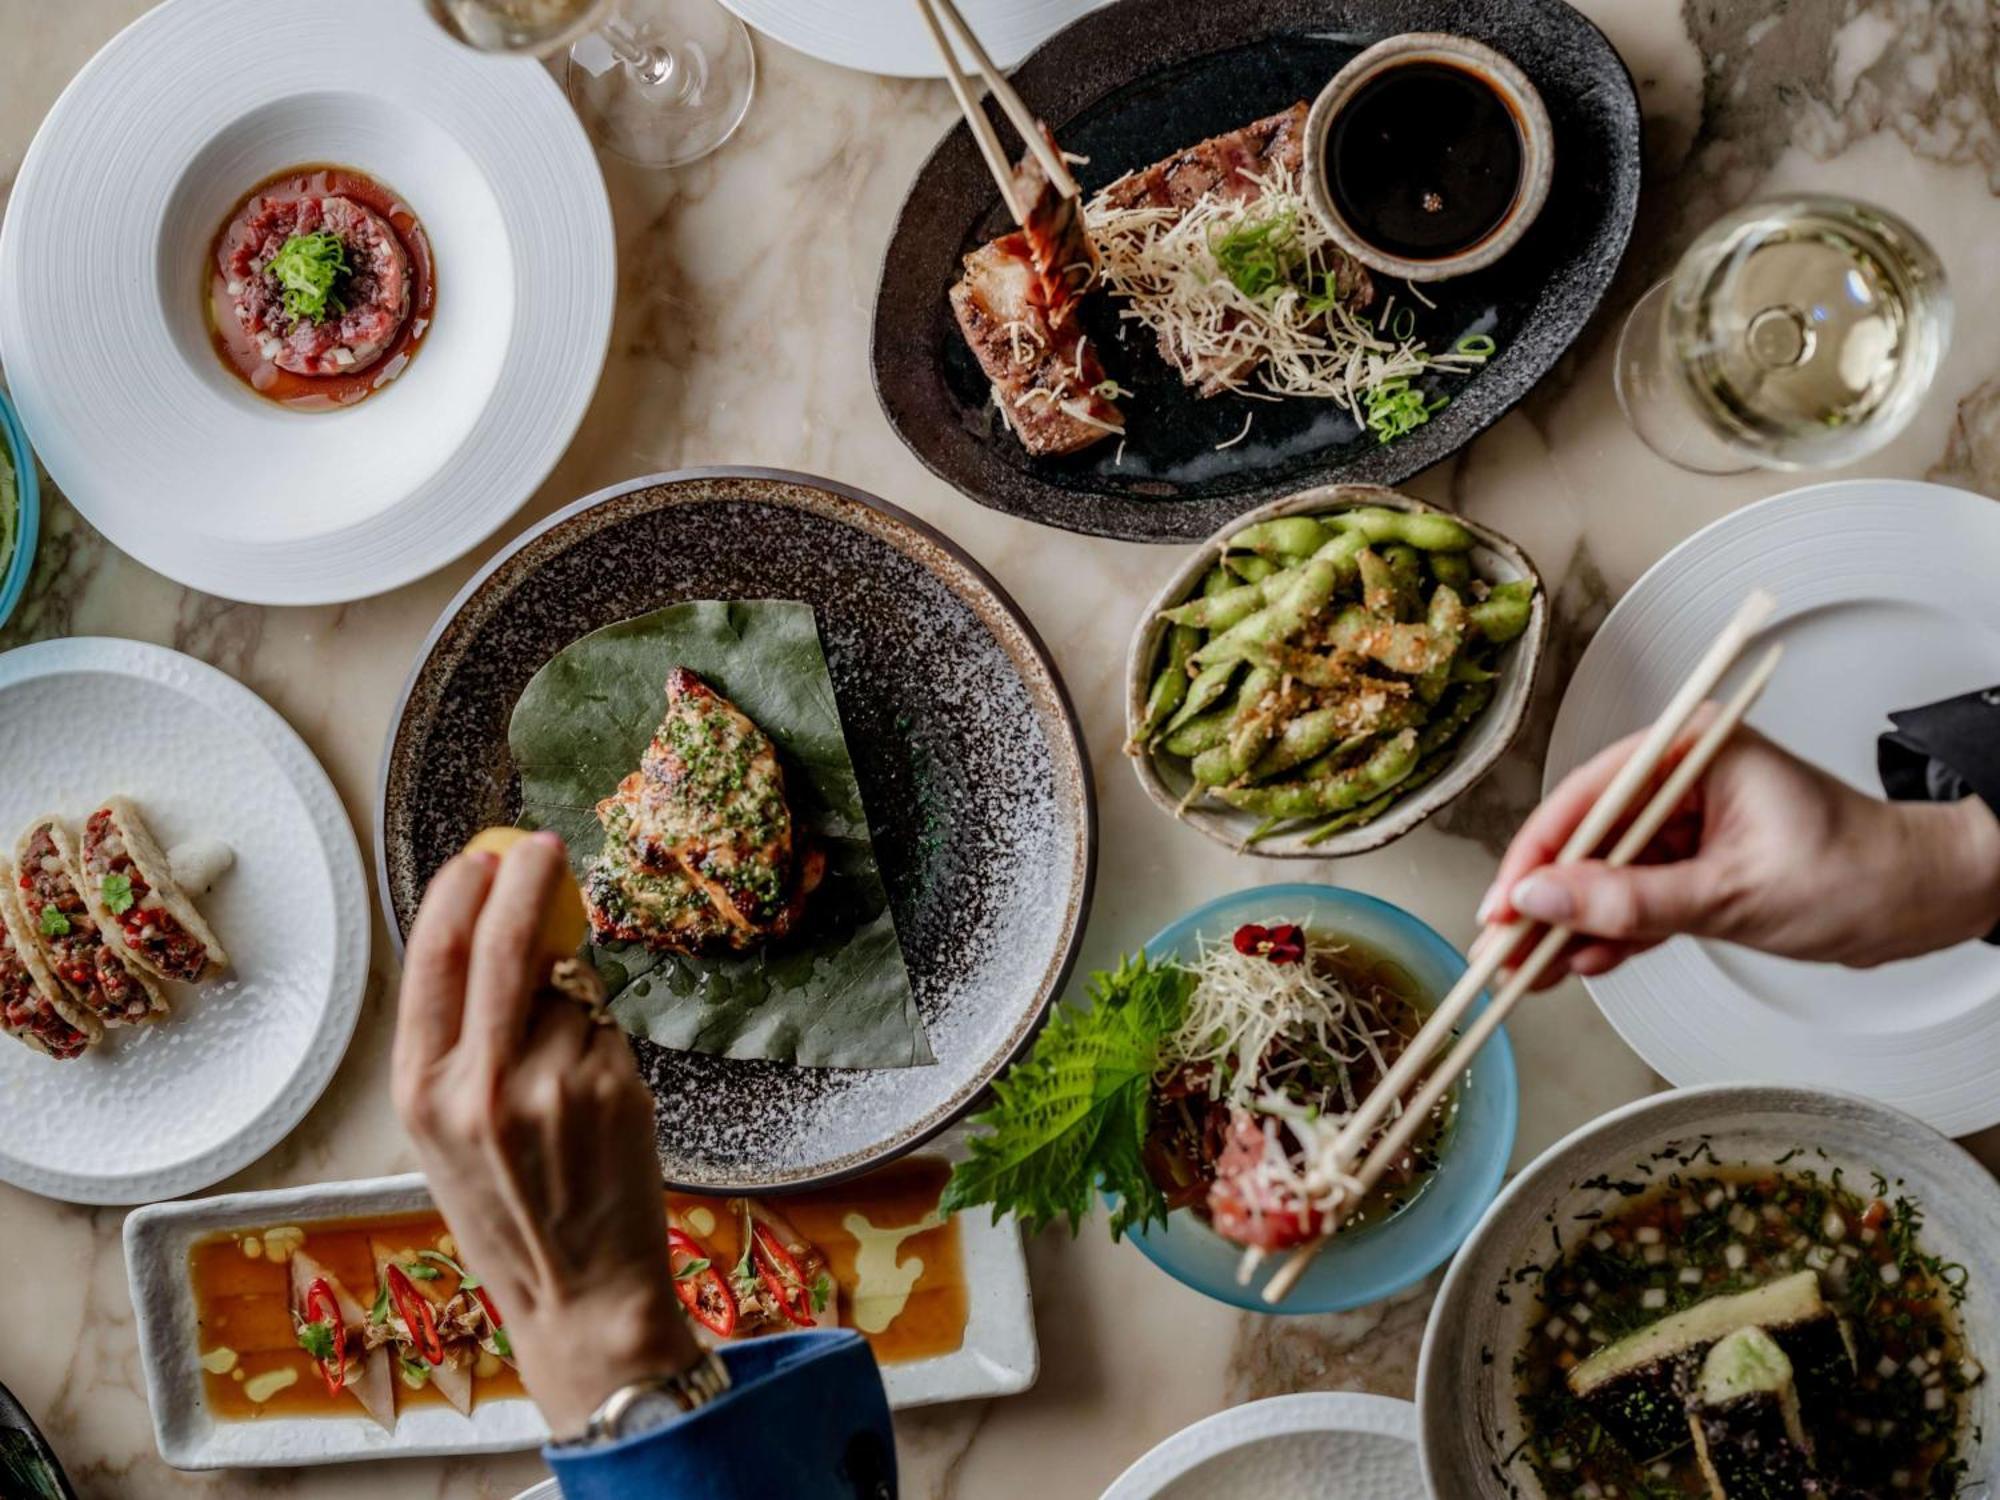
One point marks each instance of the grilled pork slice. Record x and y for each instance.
(1235, 167)
(1044, 377)
(706, 815)
(1637, 1387)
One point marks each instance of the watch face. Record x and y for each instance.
(648, 1410)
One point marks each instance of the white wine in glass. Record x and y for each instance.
(658, 82)
(1798, 332)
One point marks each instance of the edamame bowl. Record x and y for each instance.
(1329, 671)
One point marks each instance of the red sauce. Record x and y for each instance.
(240, 352)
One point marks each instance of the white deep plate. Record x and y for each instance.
(998, 1357)
(1466, 1390)
(888, 36)
(1318, 1446)
(1886, 600)
(103, 258)
(167, 1108)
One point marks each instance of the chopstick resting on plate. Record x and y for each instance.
(940, 14)
(1498, 940)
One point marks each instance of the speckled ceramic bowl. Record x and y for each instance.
(18, 562)
(970, 761)
(1166, 778)
(1471, 1424)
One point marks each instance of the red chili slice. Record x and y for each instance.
(319, 1295)
(416, 1312)
(775, 1267)
(715, 1311)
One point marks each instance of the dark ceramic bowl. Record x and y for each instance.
(1138, 80)
(970, 761)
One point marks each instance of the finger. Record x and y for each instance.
(507, 961)
(1636, 903)
(432, 999)
(1596, 958)
(1548, 828)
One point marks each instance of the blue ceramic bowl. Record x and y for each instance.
(1377, 1260)
(15, 568)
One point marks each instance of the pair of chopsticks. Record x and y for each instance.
(937, 15)
(1497, 941)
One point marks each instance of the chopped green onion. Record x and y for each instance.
(1257, 255)
(1475, 346)
(1395, 407)
(307, 266)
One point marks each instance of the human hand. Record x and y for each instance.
(1767, 851)
(536, 1134)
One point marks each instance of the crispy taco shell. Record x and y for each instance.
(148, 1002)
(19, 939)
(126, 834)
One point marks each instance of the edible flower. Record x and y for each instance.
(1283, 944)
(306, 267)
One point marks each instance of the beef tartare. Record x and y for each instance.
(322, 284)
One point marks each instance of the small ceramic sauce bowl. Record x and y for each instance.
(1440, 56)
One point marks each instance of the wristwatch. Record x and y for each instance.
(645, 1404)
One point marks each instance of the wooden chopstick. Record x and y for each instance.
(938, 13)
(1497, 942)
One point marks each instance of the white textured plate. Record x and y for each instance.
(171, 1107)
(1886, 600)
(888, 36)
(102, 263)
(1319, 1446)
(998, 1357)
(1465, 1380)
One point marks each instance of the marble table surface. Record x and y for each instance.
(745, 288)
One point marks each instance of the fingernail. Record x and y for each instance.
(1488, 904)
(550, 837)
(1543, 899)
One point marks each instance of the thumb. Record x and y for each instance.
(1638, 902)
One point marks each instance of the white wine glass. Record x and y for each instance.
(658, 82)
(1797, 332)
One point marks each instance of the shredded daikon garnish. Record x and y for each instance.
(1287, 329)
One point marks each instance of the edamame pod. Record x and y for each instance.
(1212, 728)
(1274, 622)
(1407, 569)
(1287, 536)
(1465, 704)
(1391, 762)
(1426, 530)
(1249, 567)
(1453, 568)
(1203, 693)
(1378, 584)
(1504, 613)
(1170, 684)
(1303, 737)
(1368, 812)
(1446, 619)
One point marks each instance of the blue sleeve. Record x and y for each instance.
(805, 1417)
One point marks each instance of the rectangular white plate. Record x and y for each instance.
(998, 1357)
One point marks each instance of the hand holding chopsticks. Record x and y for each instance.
(940, 14)
(1500, 941)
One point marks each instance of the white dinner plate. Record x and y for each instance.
(104, 254)
(1323, 1445)
(1886, 600)
(888, 36)
(170, 1107)
(997, 1358)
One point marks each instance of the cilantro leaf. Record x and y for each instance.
(822, 1292)
(317, 1340)
(1072, 1116)
(379, 1313)
(53, 923)
(692, 1269)
(117, 893)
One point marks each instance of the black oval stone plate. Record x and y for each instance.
(970, 760)
(1141, 79)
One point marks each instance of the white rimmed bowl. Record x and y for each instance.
(1166, 778)
(1470, 1424)
(1509, 84)
(103, 265)
(1327, 1445)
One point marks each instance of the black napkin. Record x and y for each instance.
(1943, 752)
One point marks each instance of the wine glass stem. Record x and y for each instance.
(653, 66)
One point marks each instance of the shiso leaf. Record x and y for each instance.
(833, 994)
(1070, 1119)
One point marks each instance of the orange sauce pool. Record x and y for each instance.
(239, 352)
(242, 1298)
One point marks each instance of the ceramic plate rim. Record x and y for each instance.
(236, 707)
(1629, 998)
(999, 1356)
(1089, 830)
(1173, 1457)
(567, 283)
(920, 62)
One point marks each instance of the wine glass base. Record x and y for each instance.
(1657, 410)
(685, 106)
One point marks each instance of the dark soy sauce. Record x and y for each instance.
(1424, 161)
